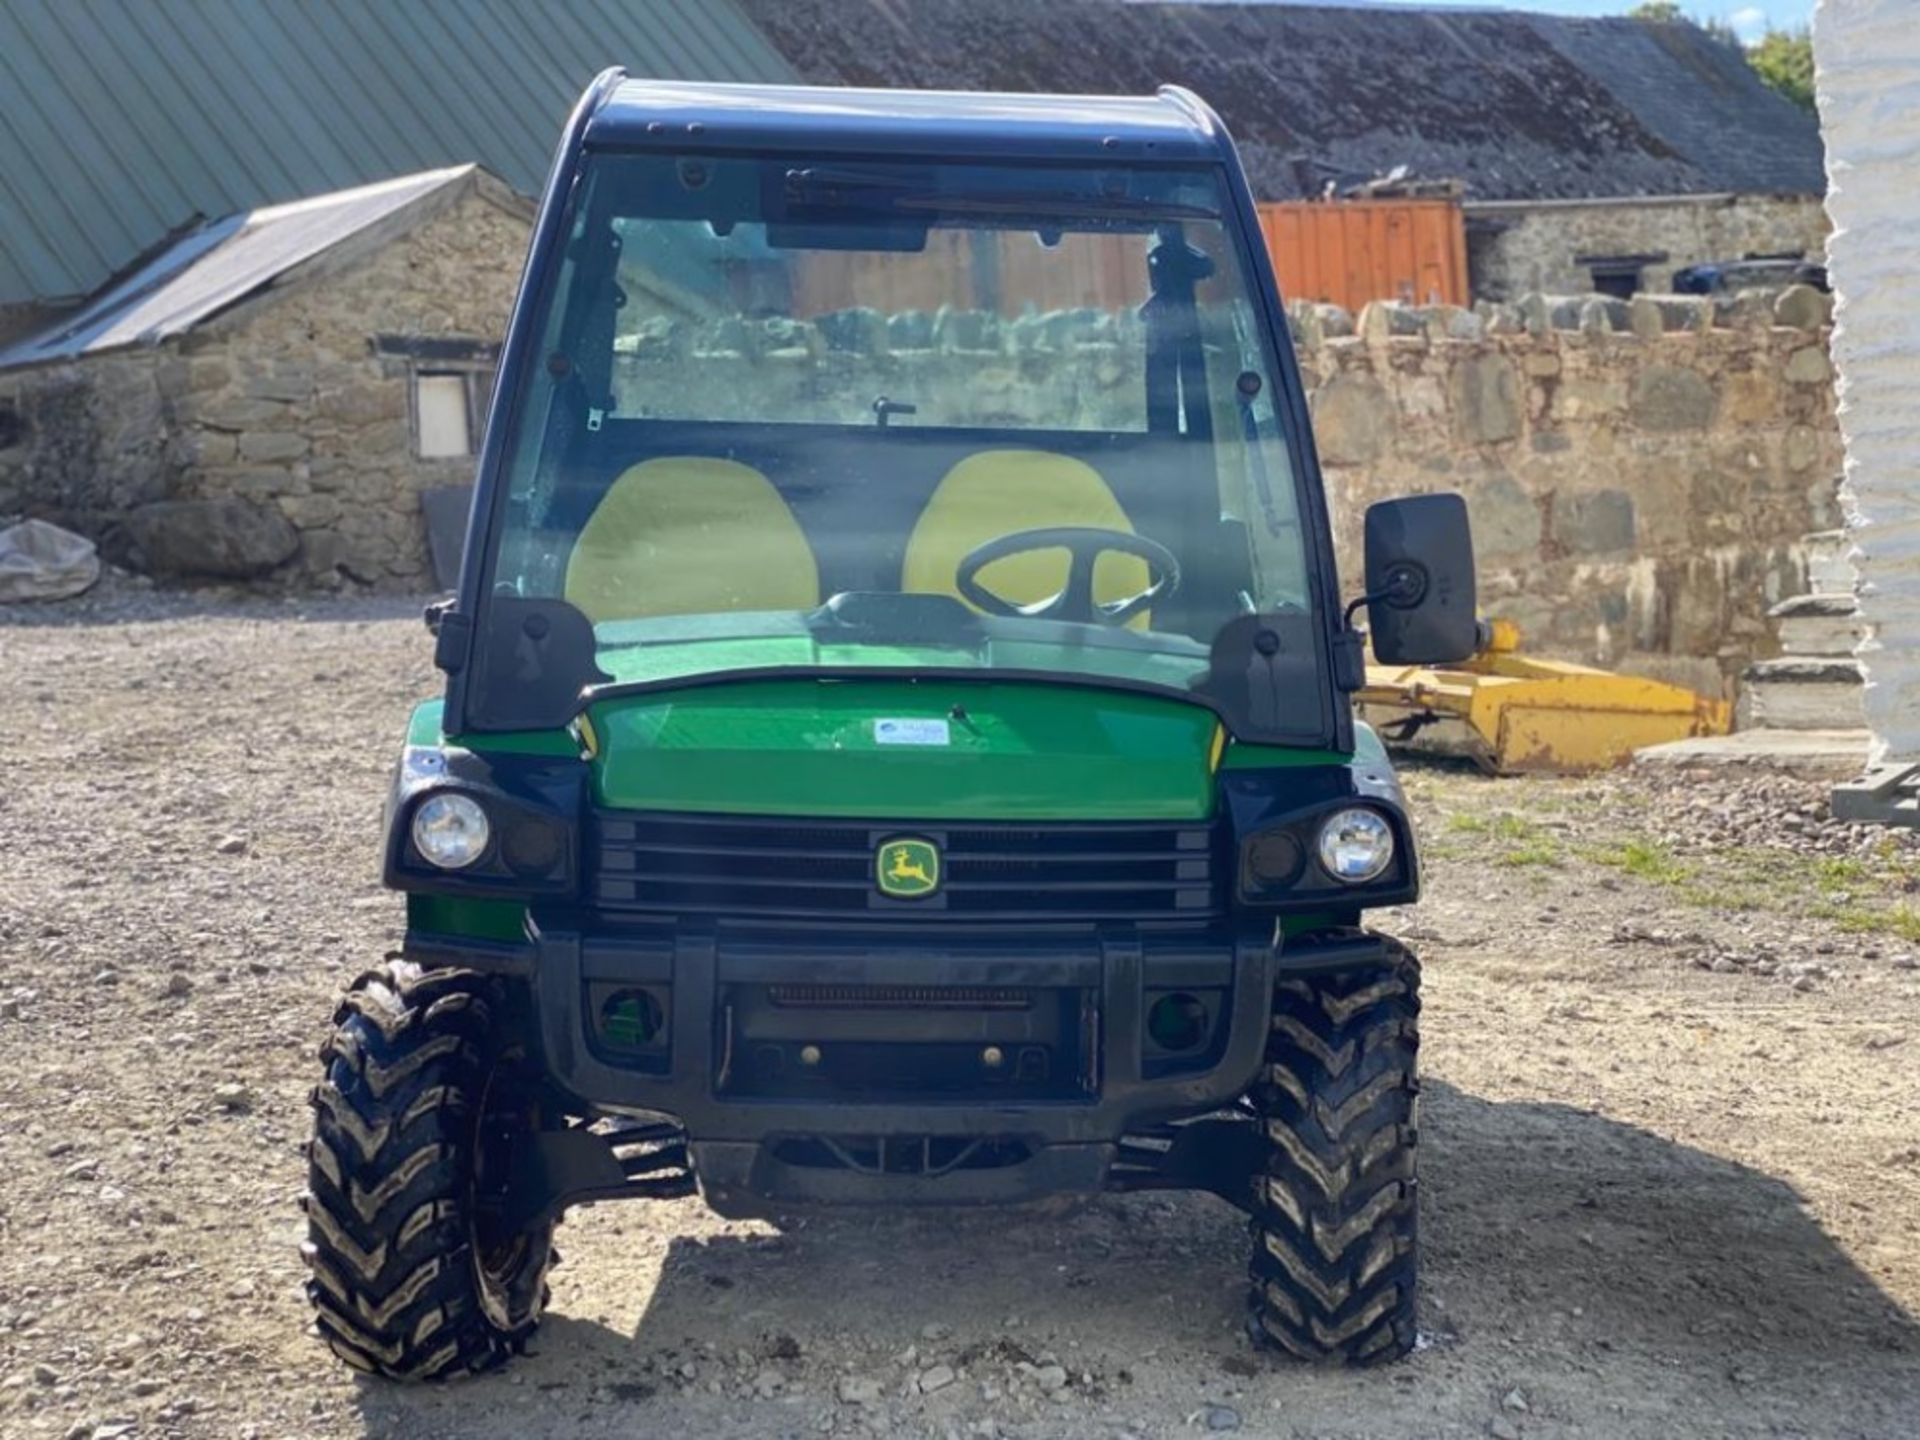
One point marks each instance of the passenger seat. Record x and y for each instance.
(691, 535)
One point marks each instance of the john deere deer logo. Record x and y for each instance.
(907, 869)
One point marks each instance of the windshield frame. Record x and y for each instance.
(464, 625)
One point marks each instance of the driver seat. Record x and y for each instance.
(998, 492)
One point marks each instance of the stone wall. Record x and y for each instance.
(1525, 247)
(1640, 474)
(1071, 369)
(79, 443)
(283, 404)
(1868, 58)
(290, 405)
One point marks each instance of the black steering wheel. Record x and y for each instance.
(1084, 544)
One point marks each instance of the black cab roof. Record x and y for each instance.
(1173, 125)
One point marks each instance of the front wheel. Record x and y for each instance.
(415, 1126)
(1335, 1198)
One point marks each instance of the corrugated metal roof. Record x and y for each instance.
(218, 265)
(122, 121)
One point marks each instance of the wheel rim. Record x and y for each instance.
(503, 1261)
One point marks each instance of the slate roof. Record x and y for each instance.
(218, 265)
(1518, 106)
(124, 121)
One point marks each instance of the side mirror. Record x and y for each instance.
(1420, 591)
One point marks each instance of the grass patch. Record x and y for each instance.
(1706, 895)
(1874, 892)
(1525, 842)
(1902, 921)
(1644, 860)
(1534, 852)
(1841, 872)
(1500, 827)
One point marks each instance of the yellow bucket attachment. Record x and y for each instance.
(1512, 715)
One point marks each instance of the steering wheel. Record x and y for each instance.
(1084, 545)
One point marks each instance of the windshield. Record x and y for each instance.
(926, 416)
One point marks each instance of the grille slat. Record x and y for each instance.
(741, 866)
(898, 997)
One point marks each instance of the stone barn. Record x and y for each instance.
(270, 396)
(1592, 153)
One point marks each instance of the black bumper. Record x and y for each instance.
(743, 1135)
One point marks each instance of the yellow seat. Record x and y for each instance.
(998, 492)
(691, 535)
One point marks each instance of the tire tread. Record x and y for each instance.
(1336, 1205)
(393, 1285)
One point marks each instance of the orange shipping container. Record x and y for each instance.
(1347, 252)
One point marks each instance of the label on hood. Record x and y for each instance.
(911, 732)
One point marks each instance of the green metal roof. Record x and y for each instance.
(123, 121)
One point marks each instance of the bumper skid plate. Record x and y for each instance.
(1139, 1122)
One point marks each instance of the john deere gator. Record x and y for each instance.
(897, 745)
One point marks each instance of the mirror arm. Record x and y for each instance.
(1406, 587)
(1360, 603)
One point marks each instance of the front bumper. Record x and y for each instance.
(1098, 984)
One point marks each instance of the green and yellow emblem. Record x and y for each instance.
(907, 869)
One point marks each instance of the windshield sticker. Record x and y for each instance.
(911, 732)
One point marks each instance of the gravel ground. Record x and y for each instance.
(1671, 1180)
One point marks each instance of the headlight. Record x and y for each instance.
(1356, 846)
(450, 831)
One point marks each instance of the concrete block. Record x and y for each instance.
(1819, 625)
(1802, 694)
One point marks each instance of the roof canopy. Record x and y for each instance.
(920, 122)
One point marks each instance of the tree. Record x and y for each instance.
(1784, 61)
(1668, 12)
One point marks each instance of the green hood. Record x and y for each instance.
(906, 749)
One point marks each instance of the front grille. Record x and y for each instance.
(738, 866)
(898, 997)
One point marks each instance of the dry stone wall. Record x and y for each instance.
(1071, 369)
(1640, 474)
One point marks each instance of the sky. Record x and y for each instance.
(1749, 18)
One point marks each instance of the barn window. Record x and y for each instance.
(442, 415)
(1618, 275)
(449, 381)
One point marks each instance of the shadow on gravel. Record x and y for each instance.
(1533, 1209)
(1592, 1256)
(125, 605)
